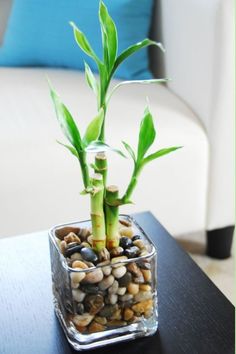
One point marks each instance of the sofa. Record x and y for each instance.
(189, 190)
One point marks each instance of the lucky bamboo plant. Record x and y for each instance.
(105, 200)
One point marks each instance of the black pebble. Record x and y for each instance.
(125, 242)
(89, 288)
(132, 252)
(136, 237)
(80, 309)
(125, 280)
(73, 249)
(89, 255)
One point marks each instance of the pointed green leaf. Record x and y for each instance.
(70, 148)
(90, 78)
(94, 128)
(83, 43)
(147, 135)
(160, 153)
(109, 35)
(99, 146)
(133, 49)
(66, 122)
(130, 150)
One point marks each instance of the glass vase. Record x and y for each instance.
(103, 301)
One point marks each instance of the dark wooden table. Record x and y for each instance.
(194, 316)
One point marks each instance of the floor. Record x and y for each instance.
(221, 272)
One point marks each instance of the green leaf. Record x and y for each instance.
(83, 43)
(109, 35)
(90, 78)
(94, 128)
(130, 150)
(99, 146)
(136, 82)
(147, 135)
(133, 49)
(160, 153)
(70, 148)
(66, 122)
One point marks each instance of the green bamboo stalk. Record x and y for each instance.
(101, 166)
(112, 217)
(97, 213)
(84, 169)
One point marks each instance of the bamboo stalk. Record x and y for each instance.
(101, 165)
(112, 217)
(97, 213)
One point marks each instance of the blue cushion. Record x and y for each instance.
(39, 34)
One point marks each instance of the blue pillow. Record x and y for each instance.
(39, 34)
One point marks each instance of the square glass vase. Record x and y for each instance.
(105, 301)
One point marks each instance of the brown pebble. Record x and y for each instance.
(80, 328)
(147, 275)
(79, 264)
(101, 320)
(116, 315)
(72, 237)
(125, 223)
(145, 287)
(142, 306)
(133, 288)
(96, 327)
(127, 231)
(64, 231)
(139, 244)
(128, 314)
(134, 269)
(63, 246)
(116, 323)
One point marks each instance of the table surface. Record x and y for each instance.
(194, 316)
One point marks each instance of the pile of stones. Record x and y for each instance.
(111, 288)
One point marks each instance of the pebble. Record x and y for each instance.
(72, 237)
(106, 270)
(143, 295)
(139, 279)
(108, 310)
(107, 282)
(78, 295)
(79, 264)
(96, 327)
(64, 231)
(85, 244)
(118, 260)
(125, 223)
(113, 298)
(134, 269)
(95, 276)
(116, 323)
(89, 255)
(126, 297)
(128, 314)
(136, 237)
(144, 252)
(90, 239)
(89, 288)
(125, 280)
(144, 264)
(77, 277)
(101, 320)
(93, 303)
(73, 249)
(126, 231)
(121, 291)
(117, 251)
(125, 242)
(132, 252)
(63, 246)
(147, 275)
(145, 287)
(143, 306)
(119, 272)
(139, 244)
(80, 309)
(116, 315)
(114, 288)
(133, 289)
(104, 255)
(76, 256)
(82, 320)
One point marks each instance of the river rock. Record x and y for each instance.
(147, 275)
(126, 231)
(73, 249)
(77, 277)
(133, 289)
(101, 320)
(72, 237)
(143, 295)
(143, 306)
(113, 289)
(79, 264)
(121, 291)
(136, 237)
(78, 295)
(128, 314)
(126, 297)
(108, 310)
(89, 288)
(82, 320)
(132, 252)
(113, 298)
(119, 272)
(96, 327)
(80, 309)
(104, 255)
(93, 303)
(94, 276)
(117, 251)
(125, 280)
(139, 244)
(89, 255)
(118, 260)
(107, 282)
(134, 269)
(125, 242)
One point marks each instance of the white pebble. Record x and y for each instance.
(119, 272)
(121, 291)
(106, 270)
(113, 289)
(107, 282)
(113, 298)
(78, 295)
(76, 277)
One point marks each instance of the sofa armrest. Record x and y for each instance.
(198, 37)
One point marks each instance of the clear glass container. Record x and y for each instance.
(107, 301)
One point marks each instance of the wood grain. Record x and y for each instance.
(194, 316)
